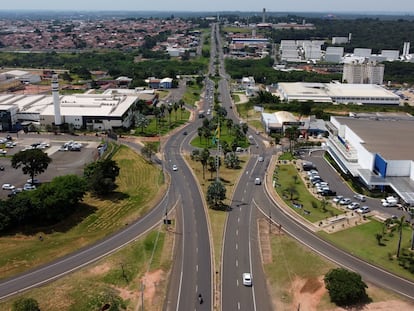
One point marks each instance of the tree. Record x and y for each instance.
(26, 304)
(141, 121)
(232, 160)
(378, 236)
(101, 175)
(33, 162)
(204, 155)
(175, 107)
(400, 224)
(345, 287)
(148, 150)
(216, 193)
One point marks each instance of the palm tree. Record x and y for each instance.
(169, 109)
(175, 107)
(205, 154)
(216, 193)
(400, 224)
(141, 121)
(181, 103)
(229, 125)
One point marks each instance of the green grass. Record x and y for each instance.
(286, 177)
(178, 118)
(287, 156)
(138, 187)
(121, 271)
(192, 94)
(361, 242)
(226, 135)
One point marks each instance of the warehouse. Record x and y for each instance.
(366, 147)
(365, 94)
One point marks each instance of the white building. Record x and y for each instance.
(363, 73)
(22, 76)
(336, 93)
(366, 147)
(334, 54)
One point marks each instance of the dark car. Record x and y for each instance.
(185, 133)
(1, 168)
(328, 193)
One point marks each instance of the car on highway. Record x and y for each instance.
(363, 210)
(174, 168)
(260, 159)
(257, 181)
(7, 187)
(247, 279)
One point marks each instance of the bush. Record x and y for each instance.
(26, 304)
(345, 287)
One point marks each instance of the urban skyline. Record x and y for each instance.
(351, 6)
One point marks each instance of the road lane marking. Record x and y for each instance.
(237, 246)
(238, 219)
(238, 305)
(237, 263)
(237, 282)
(197, 268)
(237, 231)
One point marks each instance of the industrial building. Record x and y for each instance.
(112, 109)
(377, 149)
(365, 94)
(366, 72)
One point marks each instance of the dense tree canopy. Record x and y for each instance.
(100, 176)
(33, 162)
(345, 287)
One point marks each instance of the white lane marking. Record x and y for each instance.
(237, 246)
(238, 306)
(238, 219)
(237, 282)
(247, 172)
(237, 263)
(197, 268)
(237, 232)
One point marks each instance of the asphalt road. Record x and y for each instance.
(191, 273)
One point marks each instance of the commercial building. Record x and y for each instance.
(377, 149)
(112, 109)
(366, 94)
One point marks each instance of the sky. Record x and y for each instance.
(365, 6)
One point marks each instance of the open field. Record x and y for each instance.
(295, 277)
(140, 187)
(117, 279)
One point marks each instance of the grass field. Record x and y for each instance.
(295, 276)
(154, 128)
(365, 245)
(140, 186)
(289, 185)
(115, 279)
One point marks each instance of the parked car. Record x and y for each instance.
(337, 198)
(353, 206)
(33, 181)
(328, 193)
(345, 201)
(8, 187)
(247, 279)
(363, 210)
(360, 197)
(28, 187)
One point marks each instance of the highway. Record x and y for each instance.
(191, 273)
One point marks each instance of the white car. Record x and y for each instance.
(247, 279)
(363, 210)
(28, 187)
(8, 187)
(337, 198)
(34, 181)
(353, 205)
(174, 168)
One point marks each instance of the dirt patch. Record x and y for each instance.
(151, 280)
(100, 269)
(307, 293)
(307, 296)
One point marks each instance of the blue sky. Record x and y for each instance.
(401, 6)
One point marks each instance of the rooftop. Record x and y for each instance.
(391, 138)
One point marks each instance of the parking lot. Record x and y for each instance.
(337, 184)
(63, 162)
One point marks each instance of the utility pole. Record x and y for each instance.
(218, 151)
